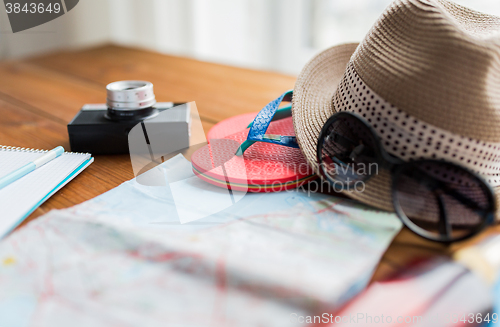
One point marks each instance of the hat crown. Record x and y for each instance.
(439, 62)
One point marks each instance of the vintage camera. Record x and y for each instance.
(104, 128)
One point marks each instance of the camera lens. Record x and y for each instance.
(130, 100)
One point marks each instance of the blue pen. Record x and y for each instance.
(28, 168)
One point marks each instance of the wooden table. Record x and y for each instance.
(39, 96)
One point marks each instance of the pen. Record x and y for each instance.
(28, 168)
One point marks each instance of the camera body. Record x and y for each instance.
(105, 128)
(90, 130)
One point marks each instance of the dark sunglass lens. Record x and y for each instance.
(347, 152)
(441, 201)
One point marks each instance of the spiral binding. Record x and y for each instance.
(13, 148)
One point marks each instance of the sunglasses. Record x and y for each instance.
(438, 200)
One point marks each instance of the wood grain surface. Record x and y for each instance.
(39, 97)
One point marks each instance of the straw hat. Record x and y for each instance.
(427, 78)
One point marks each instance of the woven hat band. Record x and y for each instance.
(409, 138)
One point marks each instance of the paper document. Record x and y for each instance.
(125, 259)
(430, 294)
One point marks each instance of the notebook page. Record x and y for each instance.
(12, 160)
(19, 198)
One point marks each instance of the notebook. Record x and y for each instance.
(19, 199)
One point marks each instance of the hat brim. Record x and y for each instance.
(312, 105)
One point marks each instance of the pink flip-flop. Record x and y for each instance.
(260, 157)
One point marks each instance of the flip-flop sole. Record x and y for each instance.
(230, 126)
(264, 167)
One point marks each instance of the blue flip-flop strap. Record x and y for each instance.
(261, 123)
(281, 113)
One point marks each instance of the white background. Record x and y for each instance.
(279, 35)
